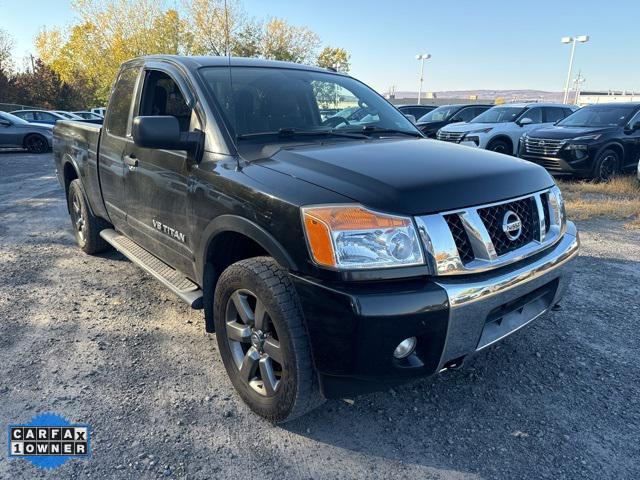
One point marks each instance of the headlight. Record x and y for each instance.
(353, 237)
(595, 136)
(480, 130)
(557, 207)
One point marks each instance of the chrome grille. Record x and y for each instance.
(450, 136)
(460, 237)
(543, 146)
(473, 239)
(493, 218)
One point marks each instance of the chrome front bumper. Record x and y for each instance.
(487, 307)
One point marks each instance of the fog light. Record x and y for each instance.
(405, 347)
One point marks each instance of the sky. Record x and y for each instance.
(493, 44)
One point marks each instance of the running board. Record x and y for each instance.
(169, 277)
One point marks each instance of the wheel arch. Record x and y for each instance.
(616, 147)
(505, 138)
(226, 240)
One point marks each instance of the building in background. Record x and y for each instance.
(588, 98)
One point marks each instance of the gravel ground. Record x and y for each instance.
(97, 341)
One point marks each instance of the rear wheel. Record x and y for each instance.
(500, 146)
(86, 227)
(607, 166)
(36, 143)
(262, 340)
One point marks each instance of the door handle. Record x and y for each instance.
(131, 160)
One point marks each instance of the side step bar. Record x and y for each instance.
(170, 278)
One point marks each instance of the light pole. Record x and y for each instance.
(422, 58)
(573, 41)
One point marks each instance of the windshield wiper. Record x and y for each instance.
(371, 129)
(294, 132)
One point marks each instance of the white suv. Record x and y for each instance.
(499, 129)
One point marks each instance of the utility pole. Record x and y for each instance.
(577, 82)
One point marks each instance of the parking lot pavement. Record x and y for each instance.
(97, 341)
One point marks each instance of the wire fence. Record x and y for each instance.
(10, 107)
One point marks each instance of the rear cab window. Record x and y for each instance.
(120, 103)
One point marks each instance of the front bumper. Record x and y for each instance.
(565, 162)
(354, 329)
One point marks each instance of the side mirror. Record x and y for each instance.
(5, 123)
(633, 127)
(525, 121)
(410, 117)
(163, 132)
(456, 119)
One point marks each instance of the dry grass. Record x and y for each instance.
(618, 199)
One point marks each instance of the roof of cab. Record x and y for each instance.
(211, 61)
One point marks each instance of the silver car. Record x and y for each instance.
(18, 133)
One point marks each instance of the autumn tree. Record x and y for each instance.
(6, 48)
(282, 41)
(334, 58)
(108, 33)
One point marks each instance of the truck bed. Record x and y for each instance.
(77, 143)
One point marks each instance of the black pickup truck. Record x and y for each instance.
(331, 257)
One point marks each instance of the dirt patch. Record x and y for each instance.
(618, 199)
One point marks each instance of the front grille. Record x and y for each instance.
(493, 217)
(460, 237)
(450, 136)
(546, 208)
(551, 164)
(543, 146)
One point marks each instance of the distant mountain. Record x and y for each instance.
(507, 95)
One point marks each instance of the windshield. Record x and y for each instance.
(13, 119)
(498, 115)
(598, 116)
(66, 114)
(440, 114)
(258, 100)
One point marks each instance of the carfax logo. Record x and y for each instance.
(49, 440)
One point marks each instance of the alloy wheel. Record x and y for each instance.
(36, 144)
(77, 216)
(254, 343)
(607, 168)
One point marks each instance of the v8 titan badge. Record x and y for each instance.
(49, 440)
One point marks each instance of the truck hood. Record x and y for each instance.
(409, 176)
(558, 132)
(469, 127)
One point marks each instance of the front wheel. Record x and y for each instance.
(607, 166)
(262, 340)
(500, 146)
(36, 143)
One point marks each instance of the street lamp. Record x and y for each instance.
(422, 58)
(573, 41)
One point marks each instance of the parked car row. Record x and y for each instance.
(18, 133)
(32, 129)
(594, 142)
(52, 116)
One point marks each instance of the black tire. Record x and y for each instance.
(248, 347)
(36, 143)
(86, 227)
(607, 166)
(500, 146)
